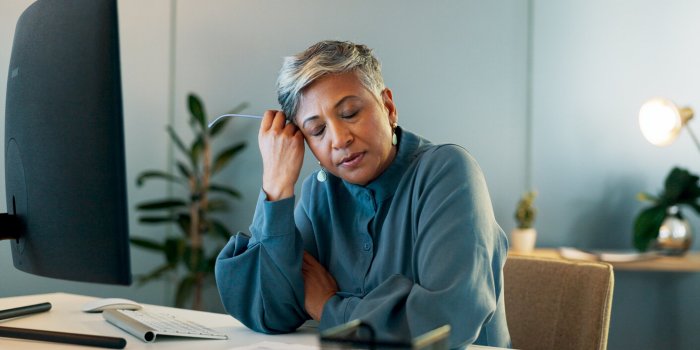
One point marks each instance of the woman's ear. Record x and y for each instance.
(388, 101)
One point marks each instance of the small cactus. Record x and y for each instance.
(525, 213)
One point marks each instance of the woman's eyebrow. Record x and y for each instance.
(308, 119)
(342, 100)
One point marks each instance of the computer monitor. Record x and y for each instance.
(65, 172)
(64, 144)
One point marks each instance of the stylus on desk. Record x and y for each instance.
(225, 116)
(55, 337)
(24, 310)
(65, 338)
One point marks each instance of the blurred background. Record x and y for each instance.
(544, 93)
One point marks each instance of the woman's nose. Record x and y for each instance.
(341, 136)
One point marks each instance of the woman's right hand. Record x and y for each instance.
(282, 149)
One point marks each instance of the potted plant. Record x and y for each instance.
(523, 237)
(190, 255)
(662, 226)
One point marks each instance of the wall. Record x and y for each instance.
(594, 64)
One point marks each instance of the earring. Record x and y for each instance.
(394, 138)
(321, 175)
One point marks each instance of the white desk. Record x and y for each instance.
(65, 316)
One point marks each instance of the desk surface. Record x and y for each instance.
(690, 262)
(65, 316)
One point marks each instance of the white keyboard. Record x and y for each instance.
(147, 325)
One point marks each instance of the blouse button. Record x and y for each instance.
(366, 246)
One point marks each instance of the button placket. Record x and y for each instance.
(364, 238)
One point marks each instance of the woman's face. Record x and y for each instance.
(347, 127)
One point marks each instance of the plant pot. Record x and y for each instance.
(675, 234)
(522, 240)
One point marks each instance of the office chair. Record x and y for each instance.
(558, 304)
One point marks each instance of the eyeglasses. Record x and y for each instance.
(226, 116)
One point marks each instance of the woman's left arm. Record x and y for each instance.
(458, 257)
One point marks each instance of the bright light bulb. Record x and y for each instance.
(660, 121)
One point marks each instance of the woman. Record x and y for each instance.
(392, 229)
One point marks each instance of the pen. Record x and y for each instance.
(61, 337)
(24, 310)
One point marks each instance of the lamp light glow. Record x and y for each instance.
(661, 120)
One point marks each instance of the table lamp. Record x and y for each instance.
(661, 121)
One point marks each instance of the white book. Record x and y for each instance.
(606, 255)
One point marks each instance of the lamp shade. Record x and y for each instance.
(661, 120)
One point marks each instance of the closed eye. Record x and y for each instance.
(318, 131)
(350, 115)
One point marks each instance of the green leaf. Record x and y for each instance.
(195, 260)
(155, 274)
(169, 203)
(225, 156)
(174, 250)
(211, 261)
(155, 174)
(147, 244)
(676, 180)
(184, 170)
(680, 187)
(156, 219)
(184, 290)
(646, 226)
(217, 205)
(176, 139)
(224, 189)
(183, 221)
(220, 126)
(197, 110)
(196, 151)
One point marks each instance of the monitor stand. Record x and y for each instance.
(10, 227)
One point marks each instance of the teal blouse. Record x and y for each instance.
(415, 249)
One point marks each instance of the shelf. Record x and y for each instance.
(690, 262)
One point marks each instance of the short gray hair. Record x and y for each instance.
(323, 58)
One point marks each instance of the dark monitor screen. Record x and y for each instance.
(64, 144)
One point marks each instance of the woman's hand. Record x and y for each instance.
(282, 148)
(319, 286)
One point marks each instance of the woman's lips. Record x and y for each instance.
(352, 160)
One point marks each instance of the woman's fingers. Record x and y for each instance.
(267, 119)
(279, 120)
(282, 149)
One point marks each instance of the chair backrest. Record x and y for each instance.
(558, 304)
